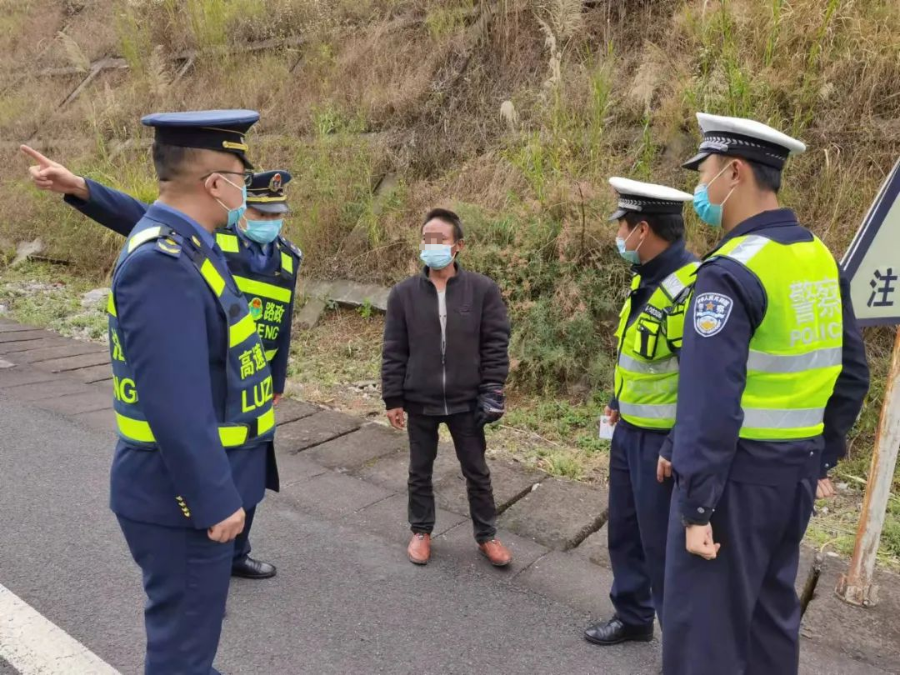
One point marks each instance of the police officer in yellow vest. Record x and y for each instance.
(651, 238)
(773, 375)
(264, 264)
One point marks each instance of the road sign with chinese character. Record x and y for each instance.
(872, 262)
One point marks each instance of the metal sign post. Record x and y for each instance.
(872, 265)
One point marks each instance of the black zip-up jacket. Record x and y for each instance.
(414, 375)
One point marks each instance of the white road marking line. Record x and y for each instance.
(35, 646)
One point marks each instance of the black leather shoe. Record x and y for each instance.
(249, 568)
(614, 632)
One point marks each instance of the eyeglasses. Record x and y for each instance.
(248, 175)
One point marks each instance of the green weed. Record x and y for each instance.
(444, 20)
(366, 310)
(562, 465)
(134, 39)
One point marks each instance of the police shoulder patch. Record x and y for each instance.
(711, 312)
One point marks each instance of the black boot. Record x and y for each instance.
(614, 631)
(248, 568)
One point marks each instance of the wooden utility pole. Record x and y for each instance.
(856, 585)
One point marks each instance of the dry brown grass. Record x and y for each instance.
(415, 87)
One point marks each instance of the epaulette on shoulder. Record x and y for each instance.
(292, 246)
(168, 245)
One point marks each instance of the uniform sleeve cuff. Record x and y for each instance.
(695, 514)
(392, 403)
(211, 509)
(666, 450)
(72, 200)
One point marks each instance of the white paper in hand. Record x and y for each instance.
(606, 429)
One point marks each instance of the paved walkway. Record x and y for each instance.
(345, 476)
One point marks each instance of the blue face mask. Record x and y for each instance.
(709, 213)
(235, 214)
(629, 256)
(263, 231)
(437, 256)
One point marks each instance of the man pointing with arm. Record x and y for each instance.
(264, 264)
(193, 391)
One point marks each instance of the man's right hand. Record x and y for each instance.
(229, 528)
(54, 177)
(395, 417)
(699, 541)
(613, 415)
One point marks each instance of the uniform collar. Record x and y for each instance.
(762, 221)
(662, 265)
(182, 223)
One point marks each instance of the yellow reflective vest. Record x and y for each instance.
(796, 352)
(646, 379)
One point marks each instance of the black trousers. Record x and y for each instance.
(470, 446)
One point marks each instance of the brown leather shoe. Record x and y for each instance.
(419, 549)
(496, 552)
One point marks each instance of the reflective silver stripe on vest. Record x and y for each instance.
(667, 365)
(770, 418)
(656, 412)
(795, 363)
(748, 248)
(673, 285)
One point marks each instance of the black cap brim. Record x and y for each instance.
(618, 215)
(694, 162)
(270, 207)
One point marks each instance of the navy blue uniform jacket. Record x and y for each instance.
(175, 338)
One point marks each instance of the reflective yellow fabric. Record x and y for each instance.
(212, 276)
(796, 352)
(231, 436)
(261, 288)
(241, 331)
(287, 263)
(646, 376)
(228, 242)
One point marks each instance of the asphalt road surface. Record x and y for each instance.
(344, 601)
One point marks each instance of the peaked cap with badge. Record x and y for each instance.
(646, 198)
(219, 130)
(266, 191)
(748, 139)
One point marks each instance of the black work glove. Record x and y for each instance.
(491, 406)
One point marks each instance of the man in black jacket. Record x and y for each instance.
(445, 360)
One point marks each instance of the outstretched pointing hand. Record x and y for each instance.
(53, 176)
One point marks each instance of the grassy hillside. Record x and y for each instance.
(514, 112)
